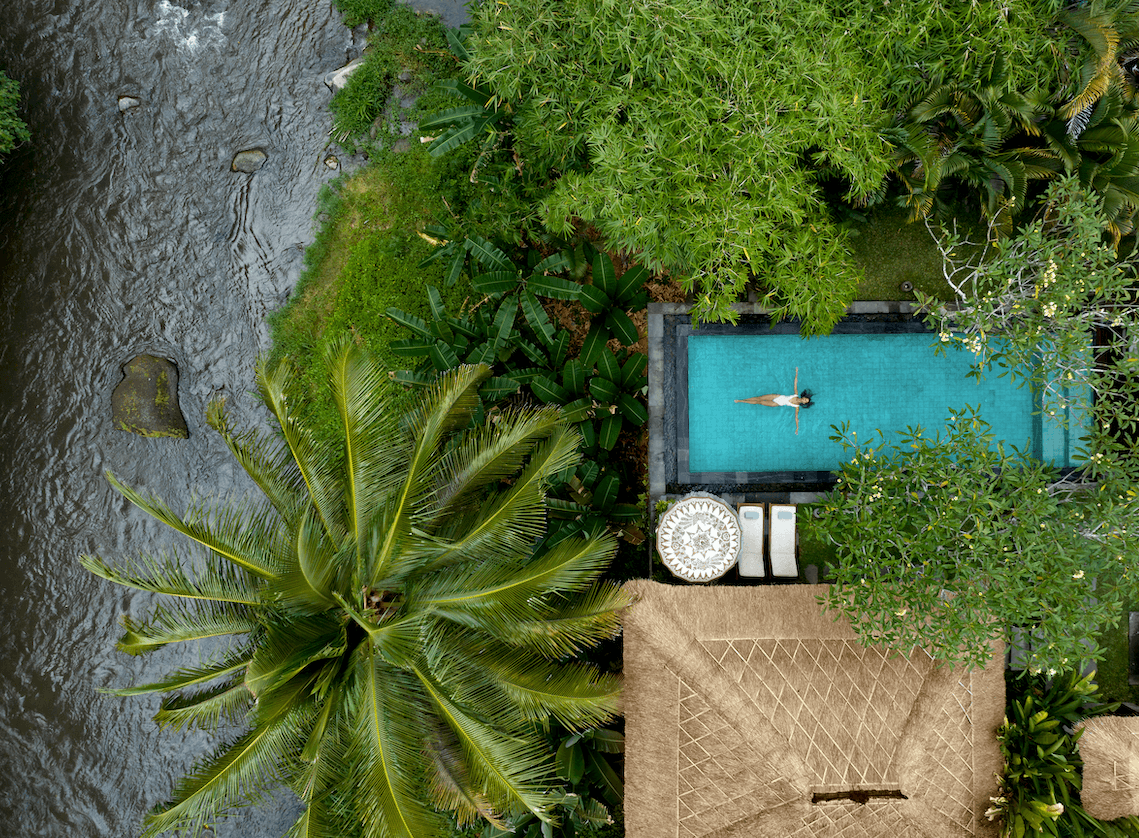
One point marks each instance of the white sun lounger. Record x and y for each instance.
(751, 540)
(784, 541)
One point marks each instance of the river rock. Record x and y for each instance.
(128, 103)
(249, 161)
(146, 401)
(338, 78)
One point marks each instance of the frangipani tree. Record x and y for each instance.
(395, 640)
(1054, 306)
(946, 541)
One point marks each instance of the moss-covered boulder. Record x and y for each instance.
(146, 401)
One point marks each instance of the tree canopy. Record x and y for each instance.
(704, 136)
(396, 640)
(948, 541)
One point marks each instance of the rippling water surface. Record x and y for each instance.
(122, 233)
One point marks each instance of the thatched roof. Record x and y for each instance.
(1109, 748)
(743, 703)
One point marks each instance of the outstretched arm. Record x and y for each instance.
(795, 389)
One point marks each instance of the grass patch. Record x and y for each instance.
(365, 259)
(890, 250)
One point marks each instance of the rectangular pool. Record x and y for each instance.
(872, 381)
(877, 369)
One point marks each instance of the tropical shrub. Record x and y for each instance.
(12, 129)
(973, 133)
(599, 390)
(946, 542)
(396, 644)
(1041, 781)
(591, 786)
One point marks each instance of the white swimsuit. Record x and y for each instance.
(784, 401)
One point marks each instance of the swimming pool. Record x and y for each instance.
(887, 382)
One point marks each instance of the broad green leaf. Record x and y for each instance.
(604, 276)
(594, 299)
(496, 282)
(622, 327)
(632, 409)
(609, 432)
(603, 389)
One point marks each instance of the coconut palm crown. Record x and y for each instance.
(395, 641)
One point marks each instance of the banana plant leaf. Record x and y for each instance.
(610, 431)
(632, 409)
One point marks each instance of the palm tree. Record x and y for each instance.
(966, 131)
(396, 640)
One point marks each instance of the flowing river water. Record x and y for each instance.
(124, 232)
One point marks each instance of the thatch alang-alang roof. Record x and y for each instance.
(1109, 748)
(749, 713)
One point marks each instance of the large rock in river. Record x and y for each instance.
(248, 161)
(146, 400)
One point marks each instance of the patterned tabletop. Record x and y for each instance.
(699, 538)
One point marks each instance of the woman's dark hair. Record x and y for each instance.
(809, 396)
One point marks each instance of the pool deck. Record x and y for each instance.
(669, 324)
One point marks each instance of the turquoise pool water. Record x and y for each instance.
(886, 381)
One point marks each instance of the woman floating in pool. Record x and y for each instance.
(803, 400)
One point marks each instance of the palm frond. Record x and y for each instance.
(451, 786)
(289, 646)
(237, 773)
(312, 570)
(449, 404)
(571, 565)
(180, 623)
(316, 463)
(165, 575)
(487, 455)
(577, 694)
(193, 676)
(1097, 26)
(229, 701)
(563, 629)
(512, 520)
(229, 537)
(384, 753)
(371, 451)
(264, 458)
(513, 773)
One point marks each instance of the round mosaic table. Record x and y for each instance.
(698, 538)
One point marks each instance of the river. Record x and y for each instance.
(123, 232)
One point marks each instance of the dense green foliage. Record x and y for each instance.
(598, 387)
(406, 55)
(945, 542)
(12, 129)
(397, 641)
(702, 136)
(1041, 781)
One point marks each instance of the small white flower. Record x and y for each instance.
(1079, 574)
